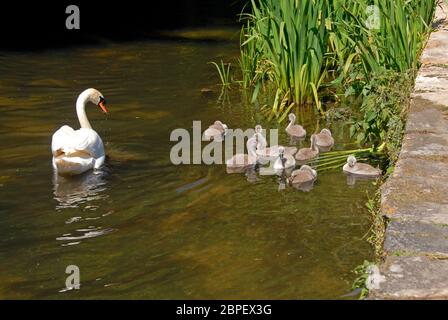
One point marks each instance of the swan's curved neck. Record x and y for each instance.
(261, 141)
(81, 111)
(313, 145)
(252, 149)
(291, 122)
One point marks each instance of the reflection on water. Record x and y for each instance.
(73, 191)
(283, 180)
(305, 187)
(145, 228)
(251, 175)
(352, 179)
(78, 192)
(87, 233)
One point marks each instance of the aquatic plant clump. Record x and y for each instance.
(285, 42)
(384, 108)
(298, 46)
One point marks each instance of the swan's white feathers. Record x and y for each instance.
(70, 142)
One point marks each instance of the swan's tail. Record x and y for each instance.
(72, 165)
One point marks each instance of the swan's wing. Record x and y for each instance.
(61, 139)
(324, 140)
(302, 176)
(87, 140)
(212, 133)
(296, 130)
(69, 141)
(217, 126)
(367, 169)
(291, 150)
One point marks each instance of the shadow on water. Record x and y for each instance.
(43, 25)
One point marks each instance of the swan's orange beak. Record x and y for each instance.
(102, 105)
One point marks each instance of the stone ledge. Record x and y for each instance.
(401, 193)
(437, 98)
(431, 168)
(415, 197)
(432, 79)
(413, 277)
(425, 144)
(426, 117)
(427, 212)
(436, 49)
(416, 237)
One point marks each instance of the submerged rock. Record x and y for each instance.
(206, 91)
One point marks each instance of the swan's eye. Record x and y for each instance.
(102, 100)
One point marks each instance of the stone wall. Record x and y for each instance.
(415, 197)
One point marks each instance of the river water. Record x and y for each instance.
(145, 228)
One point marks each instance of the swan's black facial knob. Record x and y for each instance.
(102, 104)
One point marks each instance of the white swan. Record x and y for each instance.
(241, 162)
(295, 130)
(257, 142)
(303, 179)
(360, 169)
(272, 153)
(216, 131)
(307, 154)
(260, 139)
(264, 153)
(77, 151)
(324, 139)
(284, 161)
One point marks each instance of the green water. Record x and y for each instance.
(145, 228)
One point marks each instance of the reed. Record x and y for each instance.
(400, 37)
(301, 45)
(289, 40)
(224, 73)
